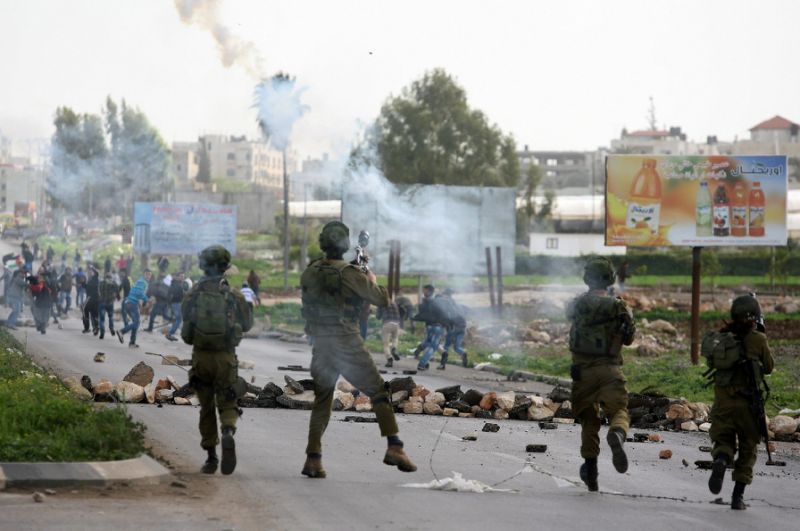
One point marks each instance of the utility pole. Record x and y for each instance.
(285, 224)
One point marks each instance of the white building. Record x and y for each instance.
(21, 183)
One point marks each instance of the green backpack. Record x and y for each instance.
(212, 319)
(722, 352)
(595, 326)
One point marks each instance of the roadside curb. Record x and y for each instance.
(141, 470)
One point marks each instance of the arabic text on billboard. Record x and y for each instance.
(183, 228)
(696, 201)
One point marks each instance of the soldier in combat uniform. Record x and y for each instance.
(601, 324)
(334, 291)
(732, 419)
(215, 316)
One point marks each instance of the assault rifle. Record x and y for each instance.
(361, 256)
(757, 399)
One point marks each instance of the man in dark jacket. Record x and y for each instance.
(177, 290)
(65, 290)
(124, 290)
(109, 292)
(160, 291)
(430, 313)
(92, 305)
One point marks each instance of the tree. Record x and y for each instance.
(100, 162)
(429, 135)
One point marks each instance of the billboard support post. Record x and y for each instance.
(490, 276)
(499, 264)
(695, 320)
(396, 267)
(390, 278)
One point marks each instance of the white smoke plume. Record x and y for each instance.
(279, 107)
(232, 49)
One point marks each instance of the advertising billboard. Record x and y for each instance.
(183, 228)
(696, 201)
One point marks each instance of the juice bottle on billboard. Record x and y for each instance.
(757, 210)
(721, 212)
(739, 210)
(703, 210)
(644, 206)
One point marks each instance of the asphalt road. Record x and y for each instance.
(268, 492)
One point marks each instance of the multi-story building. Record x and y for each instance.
(654, 142)
(565, 169)
(21, 183)
(231, 158)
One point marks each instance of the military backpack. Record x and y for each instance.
(595, 326)
(723, 352)
(322, 295)
(211, 322)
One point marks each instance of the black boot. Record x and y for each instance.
(443, 365)
(588, 473)
(616, 438)
(395, 355)
(389, 362)
(228, 451)
(717, 473)
(464, 361)
(737, 501)
(210, 466)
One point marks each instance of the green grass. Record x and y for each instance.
(720, 281)
(41, 421)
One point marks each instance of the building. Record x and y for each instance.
(654, 142)
(565, 169)
(775, 130)
(230, 158)
(319, 179)
(21, 183)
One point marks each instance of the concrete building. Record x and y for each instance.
(231, 158)
(654, 142)
(319, 179)
(565, 169)
(21, 183)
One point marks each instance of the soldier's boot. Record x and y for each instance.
(737, 500)
(395, 456)
(616, 438)
(210, 466)
(418, 350)
(443, 365)
(395, 355)
(102, 333)
(464, 360)
(389, 363)
(313, 467)
(228, 451)
(717, 473)
(588, 473)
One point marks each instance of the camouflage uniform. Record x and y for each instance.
(214, 372)
(597, 379)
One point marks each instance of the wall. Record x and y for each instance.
(256, 211)
(560, 244)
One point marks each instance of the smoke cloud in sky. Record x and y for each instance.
(232, 49)
(277, 101)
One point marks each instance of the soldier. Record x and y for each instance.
(215, 317)
(732, 418)
(333, 293)
(601, 324)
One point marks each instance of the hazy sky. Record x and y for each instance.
(556, 74)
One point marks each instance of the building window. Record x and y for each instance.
(179, 167)
(231, 173)
(552, 162)
(209, 146)
(231, 156)
(570, 162)
(550, 173)
(551, 243)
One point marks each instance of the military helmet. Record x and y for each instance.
(335, 236)
(214, 257)
(746, 308)
(599, 272)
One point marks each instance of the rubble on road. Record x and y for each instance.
(536, 448)
(490, 427)
(665, 454)
(100, 357)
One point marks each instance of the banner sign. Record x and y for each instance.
(696, 201)
(183, 228)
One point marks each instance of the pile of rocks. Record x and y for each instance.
(137, 386)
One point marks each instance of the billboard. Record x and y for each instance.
(696, 201)
(183, 228)
(442, 230)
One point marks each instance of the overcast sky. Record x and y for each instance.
(556, 74)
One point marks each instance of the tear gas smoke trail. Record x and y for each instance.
(279, 107)
(232, 49)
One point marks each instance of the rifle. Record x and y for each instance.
(757, 406)
(361, 256)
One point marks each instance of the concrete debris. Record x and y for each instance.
(343, 401)
(74, 385)
(783, 425)
(420, 391)
(467, 415)
(141, 374)
(363, 403)
(472, 397)
(450, 412)
(703, 464)
(540, 413)
(548, 426)
(490, 427)
(431, 408)
(150, 393)
(689, 425)
(180, 401)
(505, 400)
(246, 365)
(194, 401)
(100, 357)
(86, 382)
(500, 414)
(127, 391)
(469, 438)
(411, 408)
(452, 392)
(536, 448)
(665, 454)
(293, 368)
(563, 420)
(402, 384)
(488, 400)
(435, 398)
(103, 387)
(639, 437)
(401, 395)
(38, 497)
(345, 386)
(560, 394)
(706, 449)
(654, 437)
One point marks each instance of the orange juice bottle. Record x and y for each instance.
(739, 210)
(644, 206)
(757, 210)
